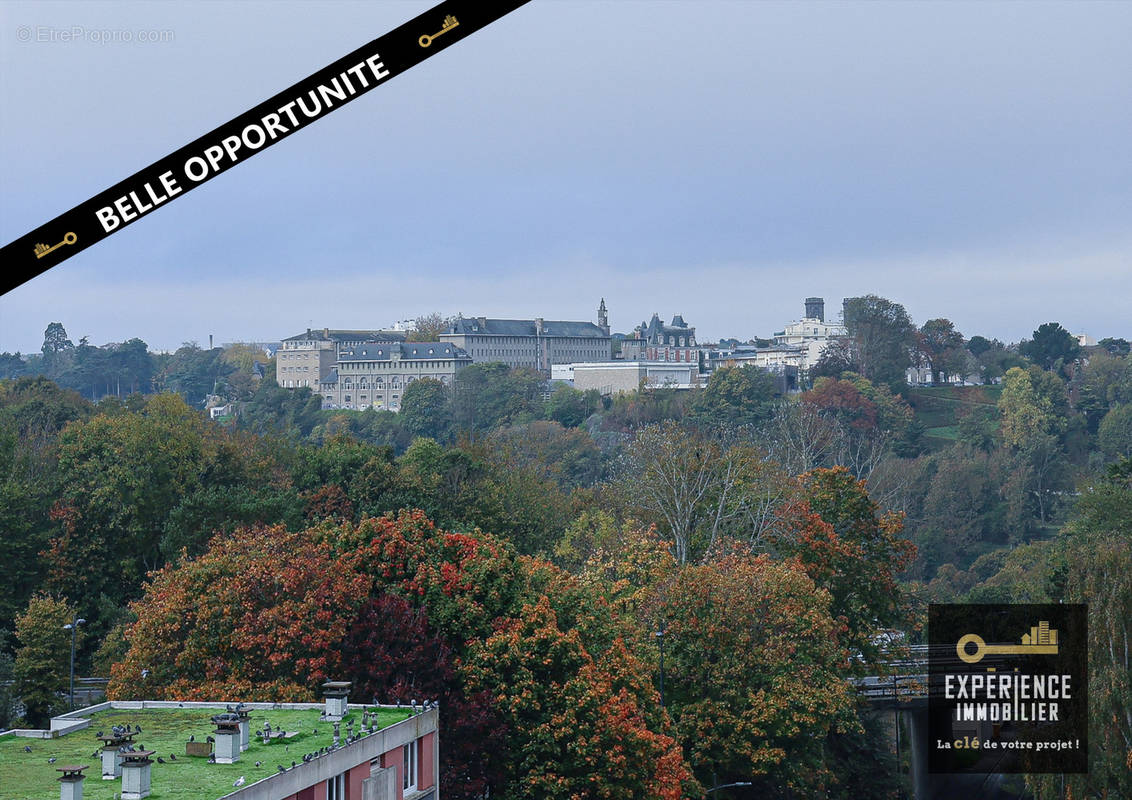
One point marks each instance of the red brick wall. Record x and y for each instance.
(425, 778)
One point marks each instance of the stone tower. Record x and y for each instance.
(603, 317)
(815, 308)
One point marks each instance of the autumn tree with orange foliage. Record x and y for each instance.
(401, 607)
(853, 550)
(754, 678)
(576, 728)
(260, 617)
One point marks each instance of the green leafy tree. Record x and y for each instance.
(33, 411)
(426, 410)
(1103, 382)
(1114, 437)
(122, 475)
(12, 366)
(1117, 347)
(1050, 346)
(956, 518)
(569, 407)
(978, 427)
(211, 509)
(7, 680)
(835, 358)
(977, 345)
(42, 659)
(736, 396)
(941, 346)
(194, 373)
(292, 413)
(1094, 564)
(882, 337)
(567, 456)
(488, 395)
(55, 339)
(993, 358)
(516, 496)
(57, 349)
(1033, 403)
(114, 369)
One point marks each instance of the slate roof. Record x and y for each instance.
(384, 351)
(655, 328)
(322, 335)
(525, 327)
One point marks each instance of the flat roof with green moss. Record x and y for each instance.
(32, 776)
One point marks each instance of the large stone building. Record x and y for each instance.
(376, 373)
(534, 343)
(811, 334)
(307, 359)
(656, 341)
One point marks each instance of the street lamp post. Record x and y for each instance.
(660, 639)
(715, 789)
(73, 627)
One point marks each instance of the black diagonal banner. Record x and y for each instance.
(252, 132)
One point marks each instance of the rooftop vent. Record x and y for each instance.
(71, 783)
(335, 694)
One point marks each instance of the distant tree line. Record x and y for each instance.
(120, 369)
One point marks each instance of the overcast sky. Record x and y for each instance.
(720, 160)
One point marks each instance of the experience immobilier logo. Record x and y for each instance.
(1008, 688)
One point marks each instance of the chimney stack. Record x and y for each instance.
(335, 694)
(227, 736)
(136, 771)
(71, 784)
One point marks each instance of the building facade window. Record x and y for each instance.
(336, 787)
(412, 753)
